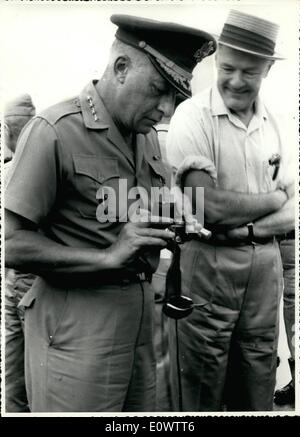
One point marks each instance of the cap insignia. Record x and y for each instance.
(185, 83)
(206, 49)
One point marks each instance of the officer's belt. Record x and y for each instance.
(124, 278)
(110, 277)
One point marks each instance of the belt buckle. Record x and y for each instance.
(143, 277)
(125, 282)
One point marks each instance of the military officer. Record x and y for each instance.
(89, 313)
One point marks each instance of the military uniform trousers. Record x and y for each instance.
(91, 349)
(232, 335)
(16, 285)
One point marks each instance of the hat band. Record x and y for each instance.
(245, 39)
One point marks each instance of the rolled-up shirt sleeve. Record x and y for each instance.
(34, 175)
(188, 135)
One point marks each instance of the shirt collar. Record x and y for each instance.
(217, 103)
(95, 115)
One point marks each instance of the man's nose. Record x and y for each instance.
(237, 79)
(167, 104)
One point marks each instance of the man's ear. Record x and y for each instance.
(121, 67)
(268, 67)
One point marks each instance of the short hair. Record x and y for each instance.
(119, 48)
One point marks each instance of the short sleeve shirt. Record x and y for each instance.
(73, 169)
(203, 126)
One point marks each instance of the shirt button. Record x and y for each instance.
(101, 179)
(156, 157)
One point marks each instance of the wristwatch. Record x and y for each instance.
(250, 231)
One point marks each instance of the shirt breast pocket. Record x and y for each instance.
(95, 177)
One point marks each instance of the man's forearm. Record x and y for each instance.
(30, 251)
(230, 208)
(279, 222)
(233, 208)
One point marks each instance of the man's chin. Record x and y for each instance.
(144, 129)
(235, 105)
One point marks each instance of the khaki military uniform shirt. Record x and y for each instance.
(68, 160)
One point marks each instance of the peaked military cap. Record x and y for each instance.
(173, 49)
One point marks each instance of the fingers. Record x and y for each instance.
(146, 219)
(156, 233)
(152, 241)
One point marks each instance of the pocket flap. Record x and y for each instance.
(159, 169)
(98, 168)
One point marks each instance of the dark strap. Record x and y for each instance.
(173, 277)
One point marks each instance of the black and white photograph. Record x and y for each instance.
(149, 204)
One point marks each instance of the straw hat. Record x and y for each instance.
(250, 34)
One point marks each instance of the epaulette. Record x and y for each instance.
(60, 110)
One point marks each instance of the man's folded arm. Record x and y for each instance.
(274, 224)
(279, 222)
(230, 208)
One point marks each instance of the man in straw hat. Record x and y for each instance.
(89, 314)
(227, 141)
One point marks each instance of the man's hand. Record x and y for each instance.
(290, 190)
(240, 233)
(132, 239)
